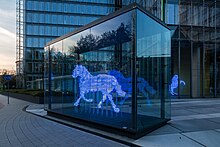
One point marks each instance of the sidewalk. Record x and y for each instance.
(19, 128)
(194, 123)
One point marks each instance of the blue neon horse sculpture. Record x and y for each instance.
(175, 84)
(102, 82)
(126, 85)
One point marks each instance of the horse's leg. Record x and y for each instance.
(103, 100)
(113, 104)
(141, 88)
(77, 101)
(87, 100)
(82, 95)
(123, 100)
(172, 91)
(147, 96)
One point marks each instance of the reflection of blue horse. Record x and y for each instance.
(175, 84)
(126, 85)
(102, 82)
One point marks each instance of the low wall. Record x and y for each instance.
(29, 98)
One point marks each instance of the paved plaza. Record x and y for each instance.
(195, 122)
(19, 128)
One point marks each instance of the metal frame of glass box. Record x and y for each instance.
(113, 73)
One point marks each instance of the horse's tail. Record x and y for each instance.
(182, 82)
(119, 90)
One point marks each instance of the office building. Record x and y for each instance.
(40, 21)
(195, 39)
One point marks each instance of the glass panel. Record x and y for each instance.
(185, 13)
(209, 69)
(172, 12)
(218, 69)
(104, 54)
(47, 91)
(197, 13)
(91, 73)
(197, 63)
(153, 72)
(56, 75)
(185, 61)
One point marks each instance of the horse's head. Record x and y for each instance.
(80, 71)
(175, 78)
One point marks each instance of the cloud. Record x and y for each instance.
(7, 34)
(7, 48)
(7, 13)
(7, 63)
(8, 20)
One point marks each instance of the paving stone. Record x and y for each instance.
(204, 110)
(24, 129)
(190, 117)
(167, 129)
(195, 125)
(216, 120)
(167, 140)
(207, 138)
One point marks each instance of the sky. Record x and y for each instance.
(7, 34)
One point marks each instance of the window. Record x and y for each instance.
(29, 5)
(35, 17)
(48, 18)
(66, 19)
(54, 7)
(72, 8)
(54, 31)
(60, 19)
(71, 20)
(41, 30)
(54, 19)
(35, 42)
(59, 7)
(35, 5)
(41, 42)
(48, 30)
(28, 41)
(60, 31)
(29, 29)
(66, 30)
(47, 6)
(41, 6)
(35, 30)
(41, 20)
(29, 17)
(65, 7)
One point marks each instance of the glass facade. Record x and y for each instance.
(195, 45)
(39, 22)
(100, 73)
(195, 36)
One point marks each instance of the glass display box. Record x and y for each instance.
(113, 73)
